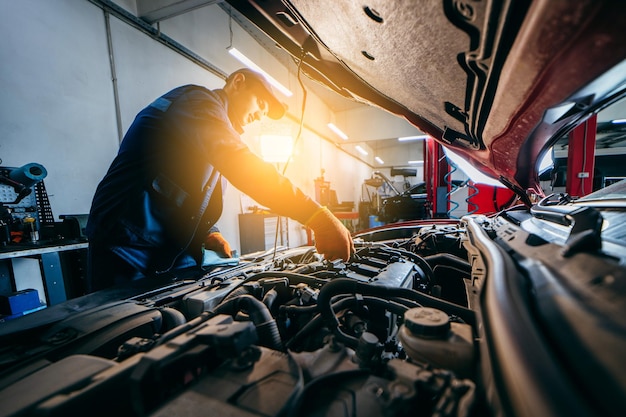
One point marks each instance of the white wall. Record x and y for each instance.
(57, 104)
(58, 108)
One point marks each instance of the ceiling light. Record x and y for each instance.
(250, 64)
(416, 162)
(618, 121)
(337, 131)
(380, 161)
(361, 150)
(409, 138)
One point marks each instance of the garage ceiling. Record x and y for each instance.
(393, 152)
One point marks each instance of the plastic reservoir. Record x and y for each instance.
(428, 336)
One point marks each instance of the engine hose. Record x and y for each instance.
(259, 314)
(172, 318)
(349, 286)
(298, 309)
(450, 260)
(290, 308)
(351, 341)
(184, 328)
(393, 306)
(269, 298)
(236, 293)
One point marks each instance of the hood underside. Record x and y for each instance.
(496, 81)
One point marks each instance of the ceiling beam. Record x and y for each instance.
(153, 11)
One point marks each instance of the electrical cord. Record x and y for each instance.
(298, 137)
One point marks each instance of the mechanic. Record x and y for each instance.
(158, 203)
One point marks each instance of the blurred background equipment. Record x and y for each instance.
(24, 204)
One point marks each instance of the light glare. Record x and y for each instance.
(472, 173)
(275, 148)
(250, 64)
(409, 138)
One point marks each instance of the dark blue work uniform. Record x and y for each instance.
(163, 191)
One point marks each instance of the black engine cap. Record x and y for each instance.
(427, 322)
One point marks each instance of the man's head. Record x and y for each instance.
(250, 97)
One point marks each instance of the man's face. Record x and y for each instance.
(246, 104)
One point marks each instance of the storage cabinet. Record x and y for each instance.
(257, 232)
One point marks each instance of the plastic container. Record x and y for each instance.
(374, 222)
(428, 336)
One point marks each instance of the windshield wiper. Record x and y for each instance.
(585, 222)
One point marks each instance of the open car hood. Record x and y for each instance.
(496, 81)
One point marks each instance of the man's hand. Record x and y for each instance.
(215, 241)
(332, 239)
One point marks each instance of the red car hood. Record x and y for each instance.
(496, 81)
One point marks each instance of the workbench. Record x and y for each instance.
(54, 268)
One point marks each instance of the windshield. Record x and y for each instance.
(615, 191)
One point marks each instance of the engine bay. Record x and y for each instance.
(398, 330)
(285, 333)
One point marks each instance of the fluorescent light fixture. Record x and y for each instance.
(275, 148)
(338, 131)
(409, 138)
(250, 64)
(380, 161)
(416, 162)
(618, 121)
(361, 150)
(474, 174)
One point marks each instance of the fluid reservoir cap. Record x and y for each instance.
(427, 322)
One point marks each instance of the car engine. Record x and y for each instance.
(288, 333)
(395, 331)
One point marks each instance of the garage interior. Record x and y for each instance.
(76, 73)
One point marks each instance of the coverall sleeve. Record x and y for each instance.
(211, 130)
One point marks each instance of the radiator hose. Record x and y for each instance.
(349, 286)
(259, 314)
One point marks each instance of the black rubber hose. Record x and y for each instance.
(172, 318)
(184, 328)
(289, 308)
(259, 314)
(395, 307)
(450, 260)
(236, 293)
(349, 286)
(310, 309)
(269, 298)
